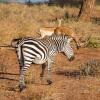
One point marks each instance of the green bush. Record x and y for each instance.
(92, 42)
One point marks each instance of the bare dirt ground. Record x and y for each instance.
(63, 87)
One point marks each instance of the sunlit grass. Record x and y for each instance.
(18, 20)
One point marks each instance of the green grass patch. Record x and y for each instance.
(93, 42)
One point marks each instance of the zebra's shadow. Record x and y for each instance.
(69, 73)
(6, 76)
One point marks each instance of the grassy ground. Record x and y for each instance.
(63, 87)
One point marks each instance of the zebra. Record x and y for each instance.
(41, 51)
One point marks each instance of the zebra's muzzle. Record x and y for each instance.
(78, 46)
(72, 58)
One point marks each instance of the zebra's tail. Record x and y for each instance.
(14, 43)
(20, 56)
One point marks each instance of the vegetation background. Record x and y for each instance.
(20, 20)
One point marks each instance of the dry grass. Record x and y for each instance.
(20, 20)
(40, 95)
(17, 20)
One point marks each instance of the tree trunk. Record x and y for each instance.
(86, 10)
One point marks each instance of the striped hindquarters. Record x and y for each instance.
(32, 51)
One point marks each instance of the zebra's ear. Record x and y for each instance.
(70, 39)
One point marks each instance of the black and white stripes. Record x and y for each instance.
(40, 51)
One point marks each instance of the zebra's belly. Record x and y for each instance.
(39, 61)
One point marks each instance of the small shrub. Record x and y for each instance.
(91, 67)
(3, 68)
(91, 42)
(29, 77)
(34, 96)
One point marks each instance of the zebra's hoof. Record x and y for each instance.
(49, 82)
(41, 75)
(22, 87)
(78, 46)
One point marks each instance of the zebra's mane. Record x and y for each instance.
(56, 37)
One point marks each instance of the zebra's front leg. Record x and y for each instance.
(49, 71)
(21, 80)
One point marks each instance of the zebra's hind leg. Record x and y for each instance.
(42, 73)
(49, 72)
(43, 69)
(49, 81)
(22, 81)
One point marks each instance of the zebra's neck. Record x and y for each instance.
(59, 41)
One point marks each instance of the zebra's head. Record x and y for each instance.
(68, 50)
